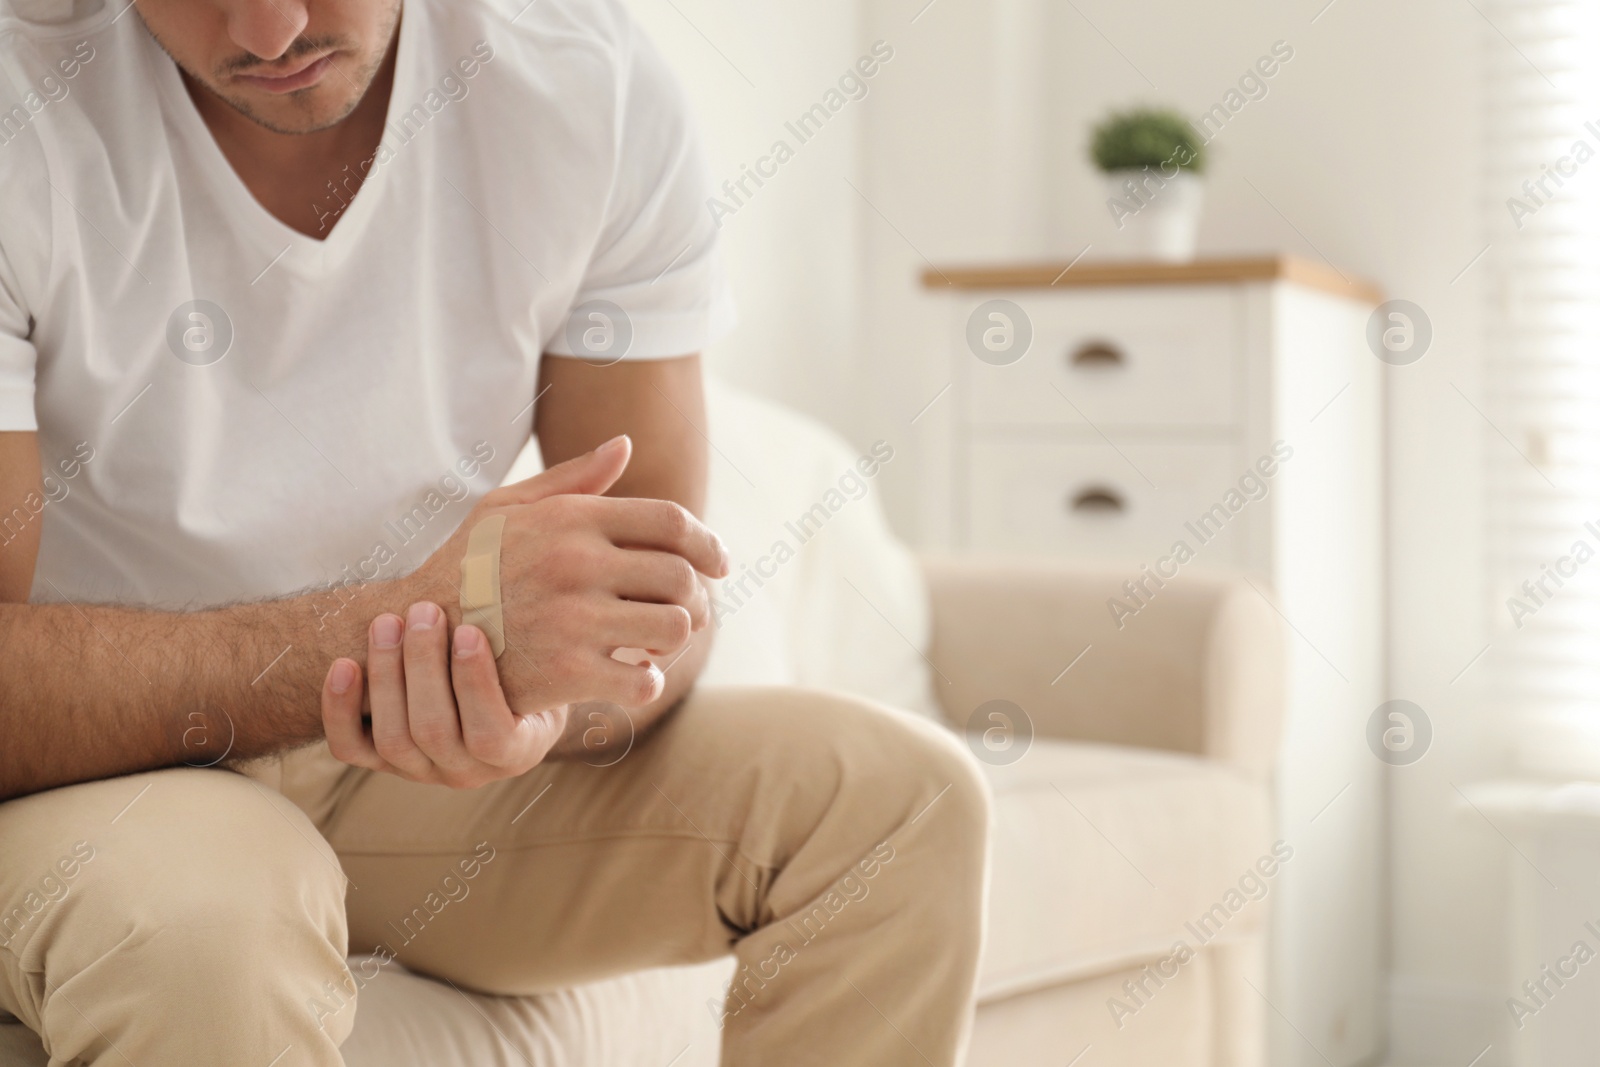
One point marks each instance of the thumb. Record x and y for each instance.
(591, 473)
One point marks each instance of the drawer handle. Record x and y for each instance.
(1098, 500)
(1097, 355)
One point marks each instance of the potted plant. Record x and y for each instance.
(1152, 159)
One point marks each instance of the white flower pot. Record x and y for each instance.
(1153, 217)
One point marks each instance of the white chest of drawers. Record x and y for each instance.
(1221, 414)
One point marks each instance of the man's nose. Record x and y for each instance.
(266, 28)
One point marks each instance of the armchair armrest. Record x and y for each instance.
(1199, 668)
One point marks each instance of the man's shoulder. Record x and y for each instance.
(589, 19)
(600, 29)
(45, 46)
(562, 68)
(30, 26)
(67, 88)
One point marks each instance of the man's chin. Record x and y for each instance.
(307, 111)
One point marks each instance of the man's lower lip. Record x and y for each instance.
(300, 79)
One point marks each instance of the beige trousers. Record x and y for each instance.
(202, 917)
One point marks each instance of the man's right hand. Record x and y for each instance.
(581, 575)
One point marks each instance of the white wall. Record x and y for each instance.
(970, 147)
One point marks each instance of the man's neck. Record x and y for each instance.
(303, 179)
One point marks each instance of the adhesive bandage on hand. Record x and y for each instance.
(480, 581)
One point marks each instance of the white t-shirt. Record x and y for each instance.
(329, 409)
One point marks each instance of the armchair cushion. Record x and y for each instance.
(1101, 854)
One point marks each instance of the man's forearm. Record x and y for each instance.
(89, 692)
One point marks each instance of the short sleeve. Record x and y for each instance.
(23, 235)
(656, 260)
(18, 358)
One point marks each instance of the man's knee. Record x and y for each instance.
(209, 845)
(885, 767)
(911, 764)
(897, 748)
(207, 886)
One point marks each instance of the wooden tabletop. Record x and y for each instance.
(1091, 273)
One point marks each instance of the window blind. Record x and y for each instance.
(1542, 141)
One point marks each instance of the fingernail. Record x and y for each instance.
(386, 631)
(468, 640)
(342, 677)
(611, 445)
(725, 558)
(422, 616)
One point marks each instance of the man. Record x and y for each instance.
(275, 281)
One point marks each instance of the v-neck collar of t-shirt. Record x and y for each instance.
(284, 246)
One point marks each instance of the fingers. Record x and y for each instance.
(660, 629)
(669, 527)
(662, 578)
(386, 678)
(626, 684)
(430, 701)
(589, 474)
(341, 717)
(485, 739)
(491, 732)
